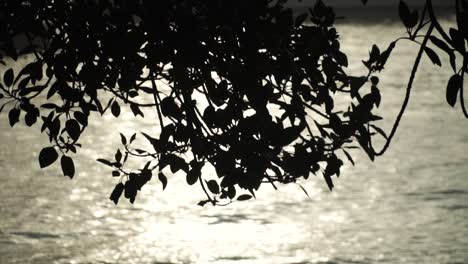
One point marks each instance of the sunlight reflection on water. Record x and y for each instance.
(410, 206)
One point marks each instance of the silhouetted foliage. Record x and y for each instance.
(246, 87)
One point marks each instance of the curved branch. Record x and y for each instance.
(408, 92)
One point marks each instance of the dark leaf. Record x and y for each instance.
(123, 139)
(202, 203)
(8, 77)
(213, 186)
(136, 110)
(13, 116)
(433, 56)
(106, 162)
(304, 190)
(348, 156)
(163, 179)
(115, 109)
(118, 156)
(131, 190)
(406, 16)
(68, 168)
(454, 85)
(440, 44)
(115, 173)
(47, 156)
(192, 176)
(117, 192)
(30, 118)
(244, 197)
(73, 129)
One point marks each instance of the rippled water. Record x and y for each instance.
(410, 206)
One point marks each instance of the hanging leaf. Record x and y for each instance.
(13, 116)
(192, 176)
(213, 186)
(68, 168)
(410, 19)
(433, 56)
(115, 109)
(117, 192)
(123, 139)
(47, 156)
(30, 118)
(244, 197)
(440, 44)
(73, 129)
(454, 85)
(163, 179)
(8, 77)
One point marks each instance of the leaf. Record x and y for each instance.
(170, 108)
(13, 116)
(118, 156)
(130, 190)
(73, 129)
(115, 109)
(8, 77)
(440, 44)
(410, 19)
(304, 190)
(458, 40)
(329, 181)
(244, 197)
(454, 85)
(115, 173)
(348, 156)
(154, 142)
(202, 203)
(136, 110)
(30, 118)
(163, 179)
(192, 176)
(68, 168)
(117, 192)
(47, 156)
(380, 131)
(132, 138)
(105, 162)
(123, 139)
(433, 56)
(213, 186)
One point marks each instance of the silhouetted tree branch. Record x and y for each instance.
(245, 87)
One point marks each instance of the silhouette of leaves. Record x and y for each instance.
(47, 156)
(454, 85)
(13, 116)
(244, 197)
(433, 56)
(249, 88)
(117, 192)
(8, 77)
(163, 179)
(68, 167)
(410, 19)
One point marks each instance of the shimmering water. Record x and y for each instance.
(410, 206)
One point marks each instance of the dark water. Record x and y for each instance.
(410, 206)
